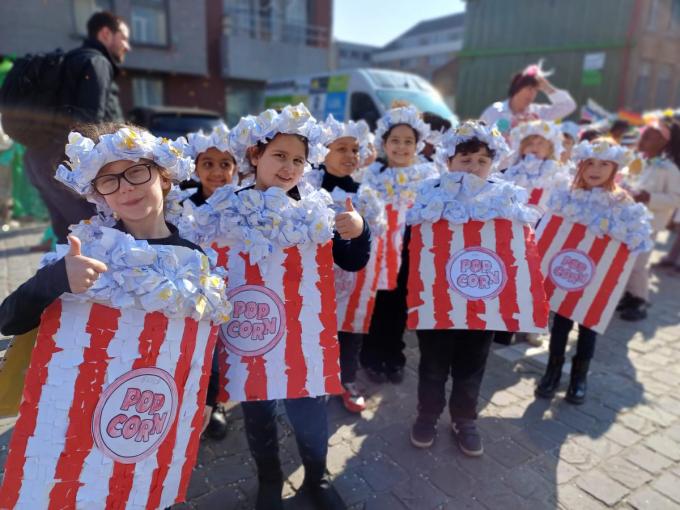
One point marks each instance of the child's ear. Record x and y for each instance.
(166, 184)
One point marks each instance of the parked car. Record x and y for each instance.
(173, 121)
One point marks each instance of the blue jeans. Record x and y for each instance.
(310, 424)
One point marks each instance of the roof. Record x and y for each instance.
(432, 25)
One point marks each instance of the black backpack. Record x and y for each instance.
(30, 100)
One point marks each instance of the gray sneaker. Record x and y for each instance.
(467, 435)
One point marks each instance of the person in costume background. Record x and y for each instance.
(658, 187)
(597, 166)
(520, 106)
(401, 135)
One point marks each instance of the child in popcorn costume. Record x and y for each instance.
(277, 212)
(466, 192)
(658, 188)
(401, 136)
(124, 257)
(593, 196)
(347, 145)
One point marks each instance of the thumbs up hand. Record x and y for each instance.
(349, 223)
(81, 271)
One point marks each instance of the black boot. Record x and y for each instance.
(636, 310)
(217, 427)
(576, 392)
(624, 302)
(270, 479)
(550, 381)
(318, 488)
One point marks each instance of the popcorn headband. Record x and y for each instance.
(471, 130)
(548, 130)
(359, 130)
(86, 159)
(292, 120)
(570, 128)
(199, 142)
(402, 115)
(604, 151)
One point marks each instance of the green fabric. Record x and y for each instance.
(26, 199)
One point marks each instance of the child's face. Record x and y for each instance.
(537, 146)
(215, 169)
(281, 164)
(134, 202)
(597, 172)
(343, 158)
(400, 146)
(477, 163)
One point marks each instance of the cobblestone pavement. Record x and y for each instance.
(619, 450)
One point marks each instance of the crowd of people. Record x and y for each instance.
(281, 179)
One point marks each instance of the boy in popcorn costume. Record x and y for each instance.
(127, 257)
(401, 136)
(347, 144)
(466, 192)
(279, 213)
(596, 201)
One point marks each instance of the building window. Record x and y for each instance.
(150, 22)
(641, 90)
(83, 9)
(653, 15)
(243, 100)
(147, 91)
(664, 82)
(675, 15)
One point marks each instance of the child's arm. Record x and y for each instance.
(20, 312)
(352, 240)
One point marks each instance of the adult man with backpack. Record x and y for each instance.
(45, 95)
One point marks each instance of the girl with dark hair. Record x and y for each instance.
(520, 107)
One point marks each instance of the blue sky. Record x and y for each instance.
(377, 22)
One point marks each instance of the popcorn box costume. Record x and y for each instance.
(472, 254)
(537, 176)
(113, 403)
(281, 341)
(397, 188)
(588, 243)
(355, 291)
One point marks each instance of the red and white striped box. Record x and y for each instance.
(585, 275)
(112, 410)
(538, 197)
(393, 241)
(355, 292)
(281, 341)
(478, 275)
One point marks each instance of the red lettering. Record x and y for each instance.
(239, 308)
(476, 265)
(483, 282)
(262, 310)
(251, 310)
(464, 265)
(144, 428)
(158, 401)
(158, 423)
(462, 280)
(113, 429)
(258, 330)
(269, 325)
(131, 427)
(473, 280)
(132, 396)
(145, 402)
(246, 329)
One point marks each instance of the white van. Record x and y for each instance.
(356, 94)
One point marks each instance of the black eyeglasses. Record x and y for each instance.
(110, 183)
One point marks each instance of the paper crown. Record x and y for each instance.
(470, 130)
(359, 130)
(546, 129)
(292, 120)
(86, 158)
(570, 128)
(402, 115)
(603, 150)
(218, 138)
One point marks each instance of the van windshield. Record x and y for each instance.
(424, 102)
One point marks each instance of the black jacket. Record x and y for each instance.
(89, 91)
